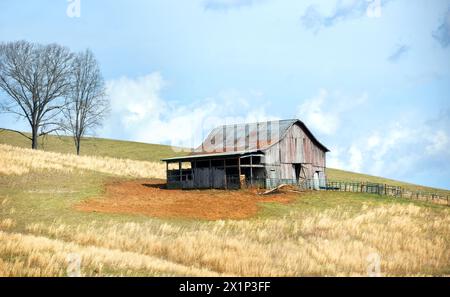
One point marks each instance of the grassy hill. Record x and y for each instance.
(92, 146)
(54, 206)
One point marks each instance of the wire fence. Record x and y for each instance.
(362, 187)
(236, 182)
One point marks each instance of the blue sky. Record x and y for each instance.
(371, 78)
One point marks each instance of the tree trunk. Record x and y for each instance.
(34, 138)
(78, 147)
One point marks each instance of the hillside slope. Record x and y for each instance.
(100, 209)
(92, 146)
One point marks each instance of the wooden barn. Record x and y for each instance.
(263, 154)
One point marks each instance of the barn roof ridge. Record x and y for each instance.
(287, 122)
(252, 123)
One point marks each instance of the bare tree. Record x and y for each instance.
(35, 78)
(86, 103)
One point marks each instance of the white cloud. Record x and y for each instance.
(139, 112)
(396, 150)
(312, 112)
(373, 141)
(323, 112)
(134, 99)
(439, 143)
(335, 157)
(314, 20)
(442, 32)
(356, 159)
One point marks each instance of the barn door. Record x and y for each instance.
(298, 170)
(316, 180)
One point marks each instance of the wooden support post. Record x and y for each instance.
(224, 139)
(239, 166)
(235, 138)
(167, 172)
(193, 168)
(179, 167)
(257, 136)
(225, 172)
(210, 174)
(239, 172)
(251, 170)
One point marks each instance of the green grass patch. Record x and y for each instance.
(324, 200)
(91, 146)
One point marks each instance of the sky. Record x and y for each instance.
(370, 78)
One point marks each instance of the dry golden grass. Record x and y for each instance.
(330, 242)
(19, 161)
(40, 256)
(320, 234)
(7, 223)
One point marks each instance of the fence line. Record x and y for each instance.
(186, 181)
(355, 187)
(374, 188)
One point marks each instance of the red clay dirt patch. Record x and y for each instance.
(149, 197)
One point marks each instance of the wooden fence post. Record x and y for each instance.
(385, 189)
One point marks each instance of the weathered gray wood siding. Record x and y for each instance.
(296, 147)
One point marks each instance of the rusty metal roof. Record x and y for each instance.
(249, 137)
(245, 138)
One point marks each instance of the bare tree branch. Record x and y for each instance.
(35, 79)
(86, 104)
(15, 131)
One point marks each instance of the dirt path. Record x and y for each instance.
(149, 197)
